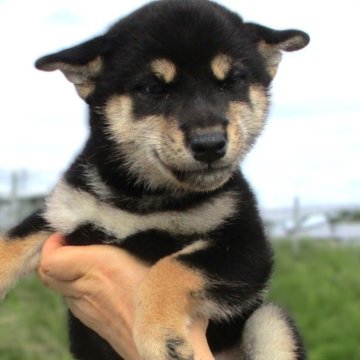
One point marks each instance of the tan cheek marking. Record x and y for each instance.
(118, 111)
(137, 138)
(235, 135)
(260, 105)
(221, 66)
(164, 69)
(175, 136)
(250, 118)
(18, 257)
(123, 126)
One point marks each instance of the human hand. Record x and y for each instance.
(99, 283)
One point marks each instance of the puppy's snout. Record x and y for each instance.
(208, 147)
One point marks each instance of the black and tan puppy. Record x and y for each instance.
(177, 95)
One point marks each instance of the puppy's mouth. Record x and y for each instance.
(204, 177)
(183, 175)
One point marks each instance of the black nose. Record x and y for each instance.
(208, 147)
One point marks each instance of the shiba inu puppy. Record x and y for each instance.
(178, 92)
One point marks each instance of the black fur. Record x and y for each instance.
(30, 225)
(238, 261)
(298, 340)
(172, 346)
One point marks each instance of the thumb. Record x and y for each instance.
(54, 242)
(61, 261)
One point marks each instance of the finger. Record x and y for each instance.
(69, 263)
(65, 288)
(64, 265)
(63, 262)
(53, 243)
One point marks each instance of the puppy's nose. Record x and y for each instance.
(208, 147)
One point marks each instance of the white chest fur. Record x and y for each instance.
(68, 208)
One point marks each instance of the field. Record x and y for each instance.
(320, 287)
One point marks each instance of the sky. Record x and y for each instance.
(310, 147)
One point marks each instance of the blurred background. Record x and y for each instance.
(303, 168)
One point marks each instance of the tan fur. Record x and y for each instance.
(221, 66)
(295, 43)
(272, 56)
(164, 69)
(80, 75)
(234, 131)
(247, 121)
(154, 146)
(166, 301)
(137, 139)
(19, 257)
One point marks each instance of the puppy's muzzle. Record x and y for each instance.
(208, 147)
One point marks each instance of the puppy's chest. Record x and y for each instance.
(69, 209)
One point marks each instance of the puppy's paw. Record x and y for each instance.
(5, 270)
(3, 291)
(163, 344)
(179, 348)
(165, 302)
(5, 281)
(8, 277)
(18, 256)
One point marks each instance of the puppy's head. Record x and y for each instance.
(181, 87)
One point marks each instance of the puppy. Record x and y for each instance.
(178, 92)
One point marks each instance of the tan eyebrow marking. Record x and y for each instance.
(164, 69)
(221, 65)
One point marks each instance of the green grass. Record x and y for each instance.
(320, 287)
(32, 324)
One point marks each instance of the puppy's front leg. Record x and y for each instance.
(20, 250)
(167, 299)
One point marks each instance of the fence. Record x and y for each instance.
(15, 207)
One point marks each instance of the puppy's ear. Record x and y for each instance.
(272, 42)
(80, 64)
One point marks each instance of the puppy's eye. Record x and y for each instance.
(236, 77)
(155, 89)
(239, 75)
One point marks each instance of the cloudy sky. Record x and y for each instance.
(311, 146)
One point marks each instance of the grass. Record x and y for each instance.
(320, 287)
(32, 324)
